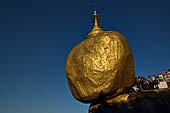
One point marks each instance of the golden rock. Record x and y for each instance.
(101, 66)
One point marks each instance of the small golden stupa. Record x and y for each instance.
(101, 66)
(96, 28)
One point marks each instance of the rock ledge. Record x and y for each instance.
(148, 101)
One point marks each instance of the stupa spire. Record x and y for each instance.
(95, 17)
(96, 28)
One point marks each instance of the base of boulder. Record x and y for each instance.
(148, 101)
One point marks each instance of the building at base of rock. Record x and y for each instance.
(164, 79)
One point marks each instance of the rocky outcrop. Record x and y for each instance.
(101, 65)
(148, 101)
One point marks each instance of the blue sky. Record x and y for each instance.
(36, 37)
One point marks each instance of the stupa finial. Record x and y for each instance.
(95, 15)
(96, 28)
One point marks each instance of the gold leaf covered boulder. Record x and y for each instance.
(101, 66)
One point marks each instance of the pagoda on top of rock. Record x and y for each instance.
(100, 67)
(96, 28)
